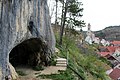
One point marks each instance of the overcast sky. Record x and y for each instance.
(101, 13)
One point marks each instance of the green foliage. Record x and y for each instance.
(21, 73)
(105, 61)
(101, 34)
(38, 68)
(87, 65)
(75, 11)
(53, 61)
(64, 75)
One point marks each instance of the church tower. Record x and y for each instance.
(90, 36)
(89, 27)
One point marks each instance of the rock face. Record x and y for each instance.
(22, 20)
(14, 75)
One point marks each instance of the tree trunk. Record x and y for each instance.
(56, 14)
(62, 12)
(63, 23)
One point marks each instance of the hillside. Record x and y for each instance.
(83, 63)
(109, 33)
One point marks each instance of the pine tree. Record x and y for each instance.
(73, 8)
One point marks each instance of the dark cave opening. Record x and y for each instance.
(27, 53)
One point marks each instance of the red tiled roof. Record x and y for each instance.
(115, 74)
(108, 50)
(118, 48)
(103, 54)
(112, 48)
(115, 42)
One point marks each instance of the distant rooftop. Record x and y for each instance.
(115, 74)
(115, 42)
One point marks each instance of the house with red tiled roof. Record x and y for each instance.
(108, 48)
(115, 74)
(112, 53)
(116, 54)
(106, 51)
(104, 54)
(115, 43)
(112, 48)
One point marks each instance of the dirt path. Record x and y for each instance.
(52, 70)
(31, 74)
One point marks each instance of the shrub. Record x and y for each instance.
(38, 68)
(21, 73)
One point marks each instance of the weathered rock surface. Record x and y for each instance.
(0, 72)
(14, 75)
(21, 20)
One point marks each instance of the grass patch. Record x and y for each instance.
(82, 58)
(105, 61)
(63, 75)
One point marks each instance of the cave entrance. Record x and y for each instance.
(27, 53)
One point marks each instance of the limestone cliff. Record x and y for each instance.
(22, 20)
